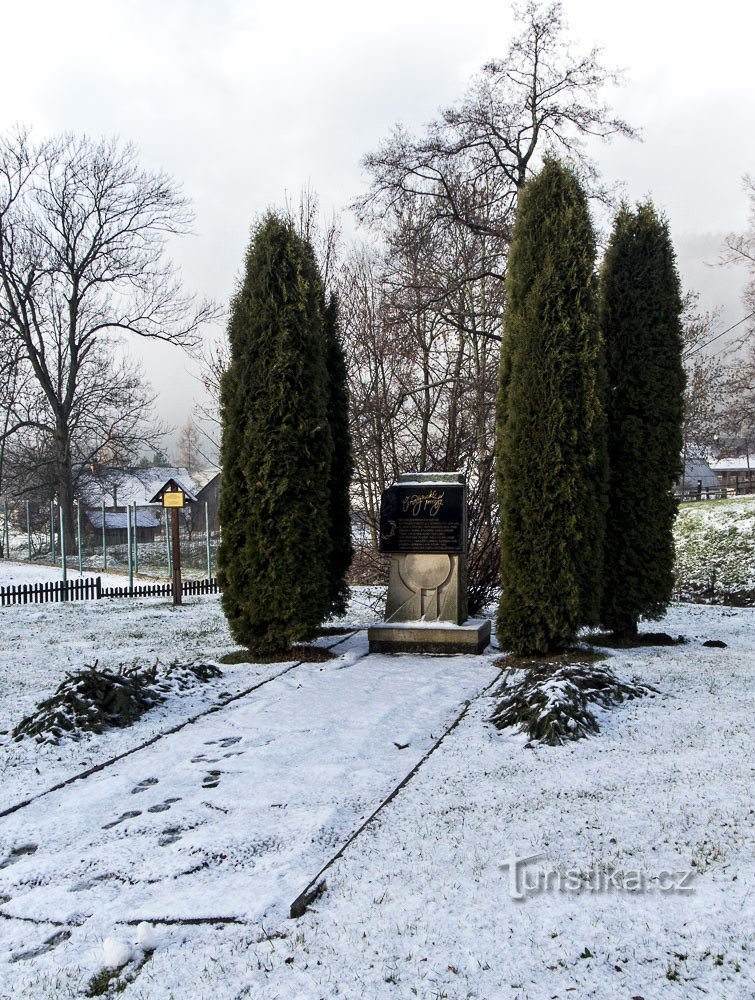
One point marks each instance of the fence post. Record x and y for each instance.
(136, 542)
(104, 539)
(63, 552)
(99, 587)
(128, 546)
(78, 536)
(6, 532)
(52, 531)
(207, 539)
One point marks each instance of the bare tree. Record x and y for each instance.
(189, 451)
(706, 393)
(442, 205)
(539, 98)
(82, 259)
(739, 249)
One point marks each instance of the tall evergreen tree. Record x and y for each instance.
(641, 309)
(342, 466)
(275, 556)
(550, 450)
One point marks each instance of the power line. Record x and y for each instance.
(694, 350)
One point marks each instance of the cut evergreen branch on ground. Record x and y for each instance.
(94, 699)
(552, 700)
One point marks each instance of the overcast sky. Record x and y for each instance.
(243, 101)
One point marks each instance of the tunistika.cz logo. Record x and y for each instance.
(525, 882)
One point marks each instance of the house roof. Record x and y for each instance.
(122, 487)
(736, 464)
(145, 518)
(696, 470)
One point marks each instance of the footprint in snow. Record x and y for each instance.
(144, 785)
(18, 853)
(52, 942)
(169, 836)
(211, 779)
(162, 806)
(127, 815)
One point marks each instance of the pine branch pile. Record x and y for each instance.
(552, 701)
(94, 699)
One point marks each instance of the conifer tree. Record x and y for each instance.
(550, 450)
(342, 466)
(275, 555)
(641, 321)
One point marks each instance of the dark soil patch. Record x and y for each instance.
(306, 654)
(715, 644)
(511, 661)
(612, 641)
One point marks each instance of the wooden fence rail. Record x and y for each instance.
(91, 589)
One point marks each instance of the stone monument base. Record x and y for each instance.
(437, 637)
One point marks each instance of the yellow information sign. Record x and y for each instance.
(175, 499)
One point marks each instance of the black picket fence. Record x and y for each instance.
(91, 589)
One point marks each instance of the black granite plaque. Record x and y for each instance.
(426, 518)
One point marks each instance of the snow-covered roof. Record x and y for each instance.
(145, 518)
(733, 464)
(696, 470)
(135, 486)
(205, 476)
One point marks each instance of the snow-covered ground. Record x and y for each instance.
(231, 816)
(715, 550)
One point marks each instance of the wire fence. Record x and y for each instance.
(134, 540)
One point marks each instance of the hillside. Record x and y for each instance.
(715, 543)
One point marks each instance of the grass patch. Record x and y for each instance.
(551, 699)
(715, 551)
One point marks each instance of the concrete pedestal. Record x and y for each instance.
(437, 637)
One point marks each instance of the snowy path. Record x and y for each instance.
(232, 815)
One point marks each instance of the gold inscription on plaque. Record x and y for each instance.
(429, 504)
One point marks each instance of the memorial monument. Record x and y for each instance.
(423, 525)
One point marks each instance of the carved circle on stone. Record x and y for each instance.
(425, 571)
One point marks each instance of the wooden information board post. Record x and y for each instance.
(174, 497)
(175, 501)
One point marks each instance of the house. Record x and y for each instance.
(210, 494)
(698, 479)
(147, 528)
(736, 473)
(121, 488)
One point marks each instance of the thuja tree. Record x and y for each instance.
(342, 465)
(641, 309)
(550, 450)
(275, 556)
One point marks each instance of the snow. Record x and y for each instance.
(146, 938)
(15, 574)
(116, 953)
(232, 815)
